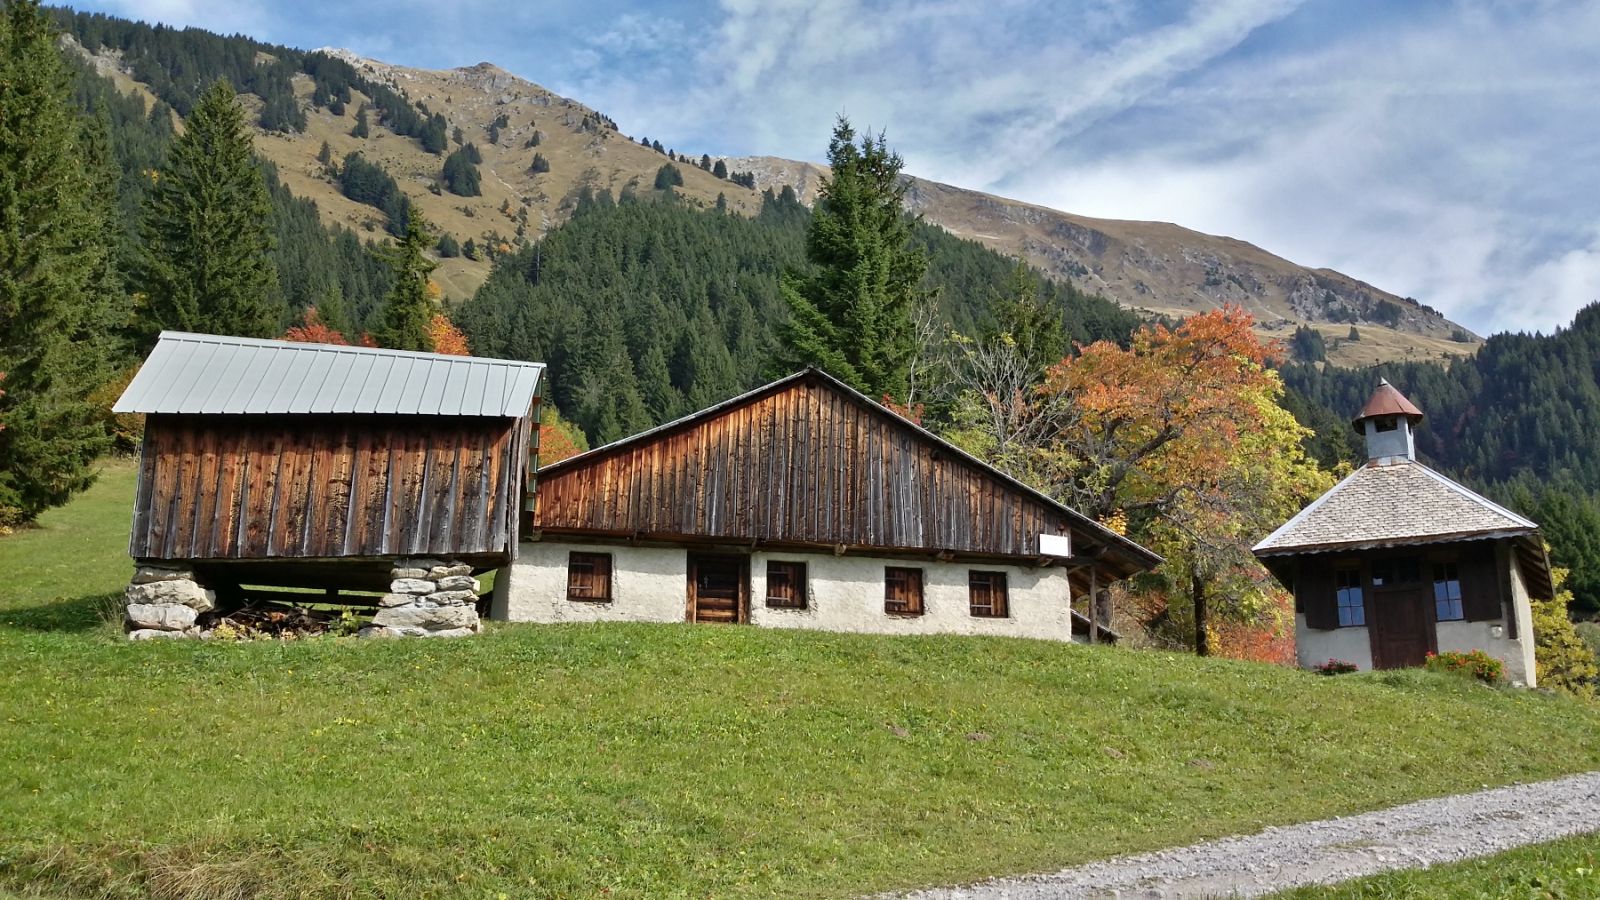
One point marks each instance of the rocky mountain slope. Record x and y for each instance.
(1164, 268)
(1152, 266)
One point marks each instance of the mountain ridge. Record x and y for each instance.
(1153, 267)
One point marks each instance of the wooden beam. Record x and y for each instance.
(1094, 612)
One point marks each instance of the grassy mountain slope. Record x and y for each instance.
(666, 760)
(1149, 266)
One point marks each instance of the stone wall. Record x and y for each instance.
(165, 603)
(427, 598)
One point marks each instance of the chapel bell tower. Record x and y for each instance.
(1388, 421)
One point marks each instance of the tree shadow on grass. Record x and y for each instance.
(67, 614)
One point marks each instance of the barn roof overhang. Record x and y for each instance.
(207, 374)
(1111, 549)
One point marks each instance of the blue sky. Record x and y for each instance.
(1448, 151)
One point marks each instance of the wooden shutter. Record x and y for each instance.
(588, 576)
(902, 591)
(986, 593)
(1480, 582)
(786, 585)
(1314, 592)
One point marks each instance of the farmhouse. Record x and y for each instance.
(270, 463)
(1398, 561)
(804, 504)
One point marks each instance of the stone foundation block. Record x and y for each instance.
(378, 631)
(152, 574)
(388, 600)
(441, 572)
(452, 598)
(434, 619)
(156, 634)
(408, 572)
(459, 583)
(418, 586)
(422, 563)
(165, 616)
(169, 593)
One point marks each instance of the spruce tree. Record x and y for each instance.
(206, 232)
(852, 316)
(53, 265)
(408, 310)
(361, 129)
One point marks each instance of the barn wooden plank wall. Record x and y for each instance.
(804, 464)
(247, 487)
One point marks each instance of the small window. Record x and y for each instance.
(1387, 423)
(1447, 592)
(902, 591)
(987, 594)
(1390, 572)
(786, 585)
(1351, 609)
(589, 576)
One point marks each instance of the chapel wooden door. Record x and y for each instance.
(719, 588)
(1402, 630)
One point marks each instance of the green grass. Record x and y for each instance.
(635, 761)
(1561, 870)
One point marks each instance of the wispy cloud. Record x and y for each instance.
(1442, 149)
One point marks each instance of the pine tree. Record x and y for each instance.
(206, 233)
(408, 311)
(361, 130)
(325, 155)
(720, 169)
(852, 317)
(53, 262)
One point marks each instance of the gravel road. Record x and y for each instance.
(1325, 852)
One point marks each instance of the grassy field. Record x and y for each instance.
(666, 761)
(1562, 870)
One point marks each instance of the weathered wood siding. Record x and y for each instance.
(804, 464)
(258, 487)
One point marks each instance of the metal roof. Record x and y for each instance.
(1387, 400)
(212, 374)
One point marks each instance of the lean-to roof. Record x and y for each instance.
(209, 374)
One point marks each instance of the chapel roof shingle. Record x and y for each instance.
(1404, 503)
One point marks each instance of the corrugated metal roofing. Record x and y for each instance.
(212, 374)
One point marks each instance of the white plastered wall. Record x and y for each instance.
(845, 593)
(1493, 636)
(648, 584)
(1313, 647)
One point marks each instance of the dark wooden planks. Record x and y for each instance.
(258, 487)
(805, 463)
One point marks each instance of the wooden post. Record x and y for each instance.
(1094, 603)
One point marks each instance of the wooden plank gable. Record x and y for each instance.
(805, 461)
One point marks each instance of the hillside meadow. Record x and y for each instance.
(633, 761)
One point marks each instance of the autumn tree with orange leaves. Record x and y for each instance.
(1181, 433)
(1178, 438)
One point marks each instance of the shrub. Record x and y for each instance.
(1335, 667)
(1476, 663)
(1566, 662)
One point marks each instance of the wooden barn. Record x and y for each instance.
(805, 504)
(320, 466)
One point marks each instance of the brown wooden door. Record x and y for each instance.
(719, 588)
(1401, 628)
